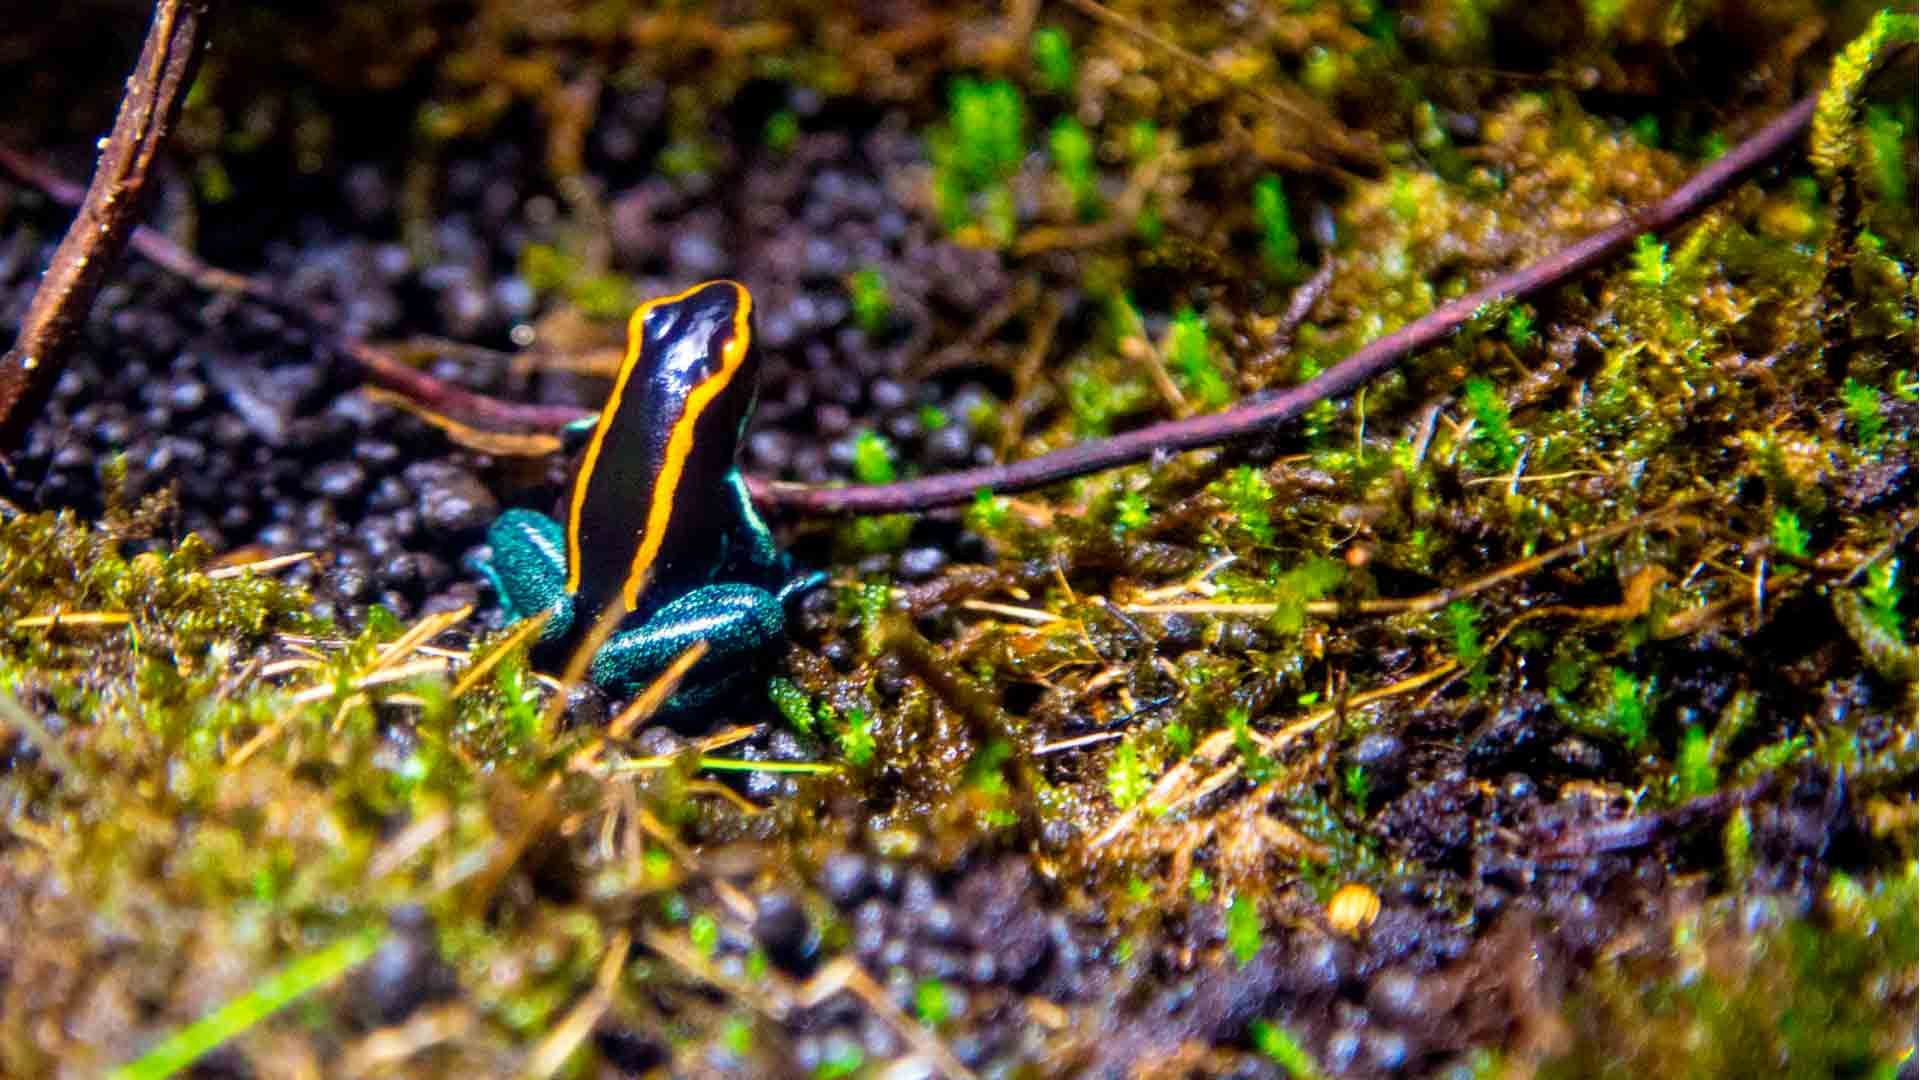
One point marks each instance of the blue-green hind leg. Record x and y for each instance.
(528, 568)
(736, 622)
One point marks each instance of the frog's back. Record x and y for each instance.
(649, 514)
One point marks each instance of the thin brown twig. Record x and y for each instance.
(108, 213)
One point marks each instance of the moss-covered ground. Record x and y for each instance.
(1545, 707)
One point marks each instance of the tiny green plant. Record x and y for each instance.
(1789, 536)
(1886, 154)
(1130, 512)
(1884, 595)
(1284, 1049)
(1279, 247)
(704, 934)
(1648, 262)
(977, 152)
(1248, 497)
(988, 512)
(1244, 929)
(1254, 761)
(737, 1036)
(1494, 445)
(1694, 772)
(1199, 886)
(1463, 626)
(1629, 705)
(1519, 326)
(933, 1002)
(1143, 139)
(792, 703)
(1072, 151)
(1863, 411)
(1127, 779)
(872, 458)
(872, 305)
(1358, 786)
(1190, 354)
(782, 130)
(856, 737)
(1053, 59)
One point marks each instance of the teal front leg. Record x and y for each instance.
(736, 621)
(529, 569)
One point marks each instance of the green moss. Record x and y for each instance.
(873, 458)
(977, 152)
(781, 132)
(1863, 410)
(1789, 535)
(872, 305)
(1284, 1049)
(1815, 997)
(934, 1002)
(1127, 780)
(1072, 152)
(1249, 500)
(1493, 440)
(1279, 247)
(1246, 931)
(1053, 59)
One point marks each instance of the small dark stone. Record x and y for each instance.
(390, 494)
(628, 1050)
(337, 480)
(350, 582)
(845, 879)
(783, 929)
(659, 741)
(185, 395)
(376, 454)
(586, 706)
(453, 503)
(921, 563)
(405, 973)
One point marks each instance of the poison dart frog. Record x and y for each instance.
(657, 522)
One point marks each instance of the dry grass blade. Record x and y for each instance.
(381, 1052)
(376, 678)
(566, 1037)
(73, 618)
(847, 974)
(423, 630)
(656, 693)
(258, 566)
(472, 676)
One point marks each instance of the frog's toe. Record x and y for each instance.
(799, 587)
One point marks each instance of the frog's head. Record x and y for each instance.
(666, 438)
